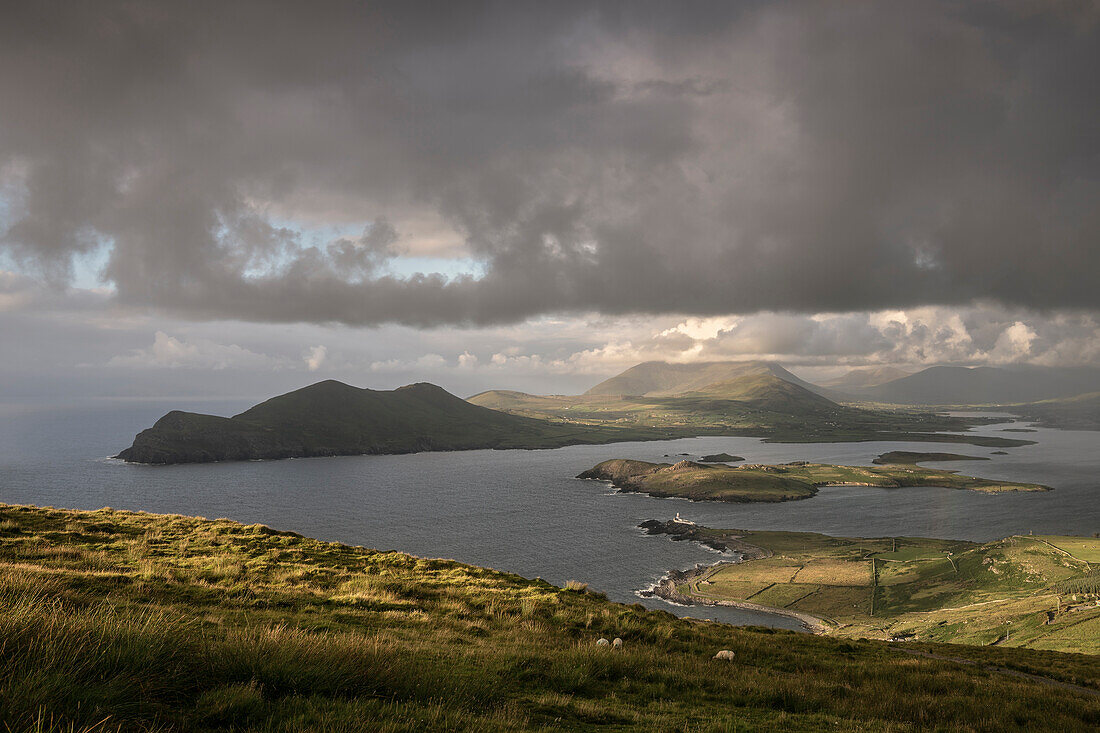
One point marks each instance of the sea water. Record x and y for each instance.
(524, 512)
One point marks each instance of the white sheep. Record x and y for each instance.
(603, 642)
(617, 643)
(725, 654)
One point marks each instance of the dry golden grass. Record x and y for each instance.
(835, 572)
(758, 571)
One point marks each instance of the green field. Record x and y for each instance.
(1086, 549)
(757, 482)
(1037, 592)
(116, 621)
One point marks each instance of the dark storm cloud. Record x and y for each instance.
(620, 157)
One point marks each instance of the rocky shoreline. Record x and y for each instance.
(723, 541)
(666, 588)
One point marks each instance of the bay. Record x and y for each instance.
(522, 511)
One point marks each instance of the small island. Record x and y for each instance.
(720, 458)
(903, 588)
(912, 458)
(784, 482)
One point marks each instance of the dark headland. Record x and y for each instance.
(331, 418)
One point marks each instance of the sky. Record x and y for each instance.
(211, 199)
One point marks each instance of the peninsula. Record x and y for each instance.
(784, 482)
(1034, 591)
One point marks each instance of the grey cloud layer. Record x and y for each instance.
(618, 157)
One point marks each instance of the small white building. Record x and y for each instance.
(681, 520)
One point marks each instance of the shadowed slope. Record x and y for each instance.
(984, 385)
(662, 379)
(867, 377)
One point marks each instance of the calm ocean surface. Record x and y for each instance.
(523, 511)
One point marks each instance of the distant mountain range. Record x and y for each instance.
(769, 384)
(866, 377)
(946, 385)
(1060, 397)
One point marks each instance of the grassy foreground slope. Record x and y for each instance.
(331, 418)
(757, 482)
(120, 621)
(1038, 592)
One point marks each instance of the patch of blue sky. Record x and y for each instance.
(8, 198)
(400, 266)
(7, 205)
(449, 267)
(89, 267)
(312, 235)
(7, 263)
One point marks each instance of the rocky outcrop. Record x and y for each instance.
(624, 474)
(721, 540)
